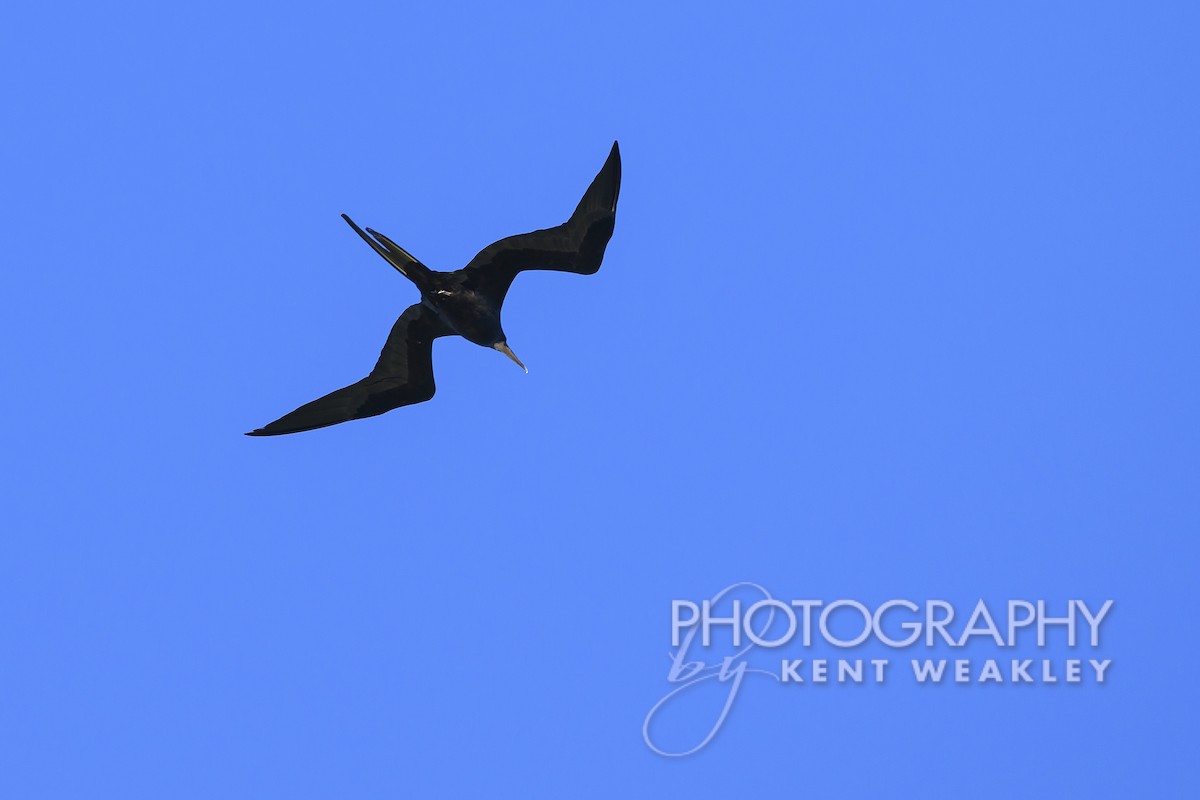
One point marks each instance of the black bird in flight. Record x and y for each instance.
(465, 302)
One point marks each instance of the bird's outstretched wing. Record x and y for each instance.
(402, 376)
(575, 246)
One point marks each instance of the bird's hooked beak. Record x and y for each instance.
(504, 348)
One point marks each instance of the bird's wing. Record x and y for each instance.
(402, 376)
(575, 246)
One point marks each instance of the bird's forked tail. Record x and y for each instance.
(394, 254)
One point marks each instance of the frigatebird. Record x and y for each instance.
(465, 303)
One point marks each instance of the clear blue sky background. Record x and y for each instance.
(902, 302)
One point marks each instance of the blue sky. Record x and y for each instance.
(902, 303)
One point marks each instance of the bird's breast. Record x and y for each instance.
(469, 314)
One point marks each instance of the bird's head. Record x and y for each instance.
(504, 348)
